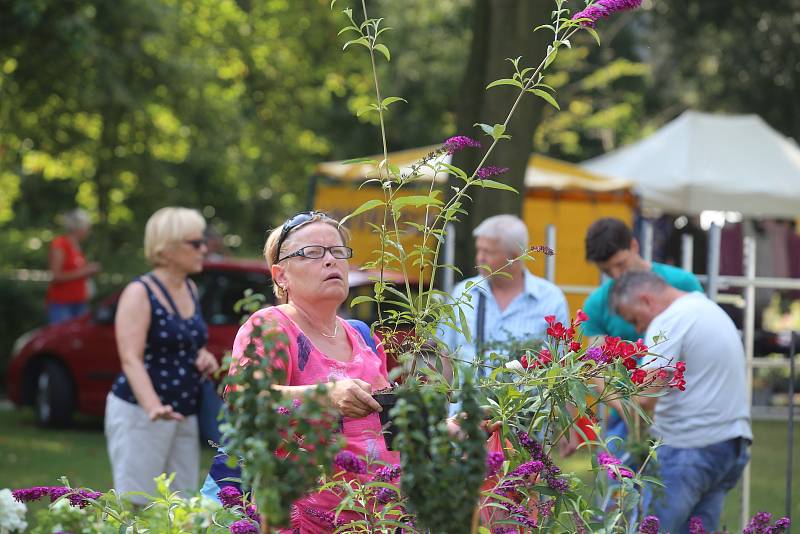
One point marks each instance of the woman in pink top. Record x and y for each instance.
(307, 257)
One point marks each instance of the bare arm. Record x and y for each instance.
(351, 397)
(57, 266)
(130, 325)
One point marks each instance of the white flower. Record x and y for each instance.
(12, 513)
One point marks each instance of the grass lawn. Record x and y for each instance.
(31, 456)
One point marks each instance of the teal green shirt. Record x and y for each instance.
(604, 322)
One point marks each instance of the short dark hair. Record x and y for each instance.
(605, 238)
(634, 282)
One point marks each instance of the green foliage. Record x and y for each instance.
(283, 447)
(442, 474)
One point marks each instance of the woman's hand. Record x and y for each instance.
(206, 363)
(353, 398)
(164, 412)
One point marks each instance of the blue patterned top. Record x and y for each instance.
(169, 353)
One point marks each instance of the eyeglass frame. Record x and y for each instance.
(196, 244)
(290, 225)
(299, 252)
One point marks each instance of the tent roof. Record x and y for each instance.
(543, 172)
(702, 161)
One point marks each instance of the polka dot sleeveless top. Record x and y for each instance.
(169, 353)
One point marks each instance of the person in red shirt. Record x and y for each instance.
(68, 292)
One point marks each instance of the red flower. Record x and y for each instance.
(677, 377)
(629, 362)
(640, 346)
(524, 361)
(550, 319)
(574, 346)
(557, 331)
(545, 357)
(580, 317)
(570, 334)
(638, 376)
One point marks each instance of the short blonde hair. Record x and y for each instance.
(76, 220)
(170, 225)
(270, 247)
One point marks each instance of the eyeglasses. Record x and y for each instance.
(292, 223)
(315, 252)
(197, 244)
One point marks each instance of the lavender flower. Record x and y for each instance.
(347, 461)
(230, 496)
(696, 526)
(243, 526)
(459, 143)
(650, 525)
(604, 9)
(489, 171)
(30, 494)
(494, 461)
(387, 473)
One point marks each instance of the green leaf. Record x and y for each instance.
(551, 56)
(363, 41)
(485, 127)
(366, 206)
(383, 50)
(348, 29)
(547, 97)
(358, 161)
(593, 33)
(391, 100)
(491, 184)
(498, 131)
(505, 81)
(367, 109)
(361, 298)
(415, 200)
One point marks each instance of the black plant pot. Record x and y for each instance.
(387, 402)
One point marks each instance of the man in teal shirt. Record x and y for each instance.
(610, 245)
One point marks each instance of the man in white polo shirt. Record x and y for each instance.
(706, 428)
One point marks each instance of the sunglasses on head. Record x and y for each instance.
(197, 244)
(292, 223)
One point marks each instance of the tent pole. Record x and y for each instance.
(647, 240)
(714, 240)
(448, 275)
(550, 261)
(687, 252)
(749, 245)
(790, 427)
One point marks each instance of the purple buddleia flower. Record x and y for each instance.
(783, 524)
(489, 171)
(347, 461)
(387, 473)
(561, 485)
(252, 512)
(546, 507)
(650, 525)
(758, 523)
(505, 530)
(296, 403)
(596, 354)
(494, 461)
(696, 526)
(283, 410)
(243, 526)
(229, 496)
(56, 492)
(520, 515)
(30, 494)
(527, 469)
(459, 143)
(603, 9)
(385, 495)
(81, 497)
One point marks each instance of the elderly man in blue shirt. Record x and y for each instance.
(509, 306)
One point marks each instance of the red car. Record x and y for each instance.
(70, 366)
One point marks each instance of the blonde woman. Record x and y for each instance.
(151, 423)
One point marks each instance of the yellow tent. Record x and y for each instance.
(557, 193)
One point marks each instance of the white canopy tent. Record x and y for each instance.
(702, 161)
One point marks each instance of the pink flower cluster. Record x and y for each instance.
(80, 498)
(603, 9)
(608, 461)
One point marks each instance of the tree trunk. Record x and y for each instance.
(501, 29)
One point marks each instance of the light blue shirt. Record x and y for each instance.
(523, 318)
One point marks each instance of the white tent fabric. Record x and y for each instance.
(702, 161)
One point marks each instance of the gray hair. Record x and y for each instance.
(75, 220)
(510, 230)
(633, 283)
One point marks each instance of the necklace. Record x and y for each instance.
(335, 331)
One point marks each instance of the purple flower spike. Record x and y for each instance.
(387, 473)
(783, 524)
(494, 461)
(696, 526)
(230, 496)
(347, 461)
(30, 494)
(603, 9)
(596, 354)
(489, 171)
(650, 525)
(81, 498)
(56, 492)
(459, 143)
(386, 495)
(243, 526)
